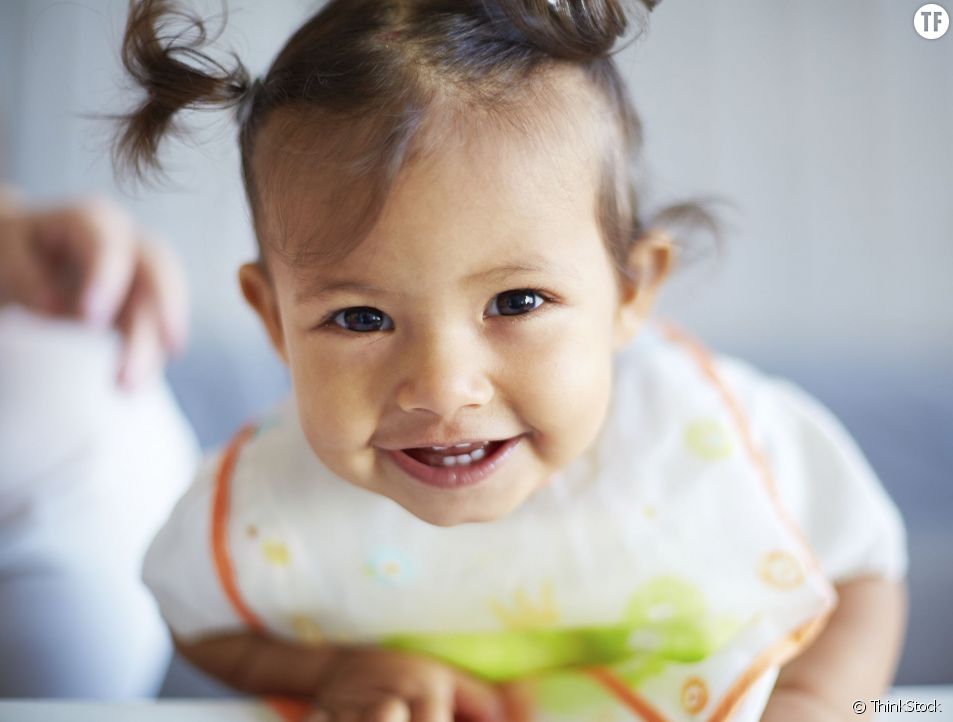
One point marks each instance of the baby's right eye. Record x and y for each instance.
(363, 319)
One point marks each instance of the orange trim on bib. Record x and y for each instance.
(626, 695)
(221, 506)
(778, 654)
(703, 358)
(796, 641)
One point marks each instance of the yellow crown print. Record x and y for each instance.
(525, 613)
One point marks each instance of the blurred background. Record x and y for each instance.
(827, 126)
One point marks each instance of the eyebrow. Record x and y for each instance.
(317, 290)
(497, 272)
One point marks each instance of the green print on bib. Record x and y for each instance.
(665, 621)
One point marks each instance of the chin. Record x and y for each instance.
(455, 513)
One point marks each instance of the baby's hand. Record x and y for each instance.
(378, 685)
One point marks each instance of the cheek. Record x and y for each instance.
(565, 388)
(333, 398)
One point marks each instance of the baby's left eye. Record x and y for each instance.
(515, 303)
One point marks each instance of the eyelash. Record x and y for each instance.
(333, 325)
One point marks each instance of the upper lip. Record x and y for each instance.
(421, 444)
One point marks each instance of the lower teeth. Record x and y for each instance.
(439, 460)
(464, 459)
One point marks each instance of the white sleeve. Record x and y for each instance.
(180, 571)
(822, 478)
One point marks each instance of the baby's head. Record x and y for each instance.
(450, 245)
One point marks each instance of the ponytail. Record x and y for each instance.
(575, 30)
(176, 74)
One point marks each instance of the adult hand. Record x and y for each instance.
(88, 261)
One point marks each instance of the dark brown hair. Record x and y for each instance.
(364, 77)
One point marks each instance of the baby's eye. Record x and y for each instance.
(515, 303)
(363, 319)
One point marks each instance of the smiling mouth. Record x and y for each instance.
(457, 466)
(458, 455)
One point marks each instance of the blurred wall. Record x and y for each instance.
(827, 125)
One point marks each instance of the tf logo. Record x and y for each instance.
(931, 21)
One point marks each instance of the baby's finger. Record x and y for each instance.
(432, 709)
(392, 709)
(329, 715)
(476, 700)
(518, 700)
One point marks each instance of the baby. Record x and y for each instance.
(498, 494)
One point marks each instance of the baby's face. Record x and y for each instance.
(481, 312)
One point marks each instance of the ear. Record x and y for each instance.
(647, 266)
(259, 291)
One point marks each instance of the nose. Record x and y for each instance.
(442, 374)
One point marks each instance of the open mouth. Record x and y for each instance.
(459, 455)
(455, 466)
